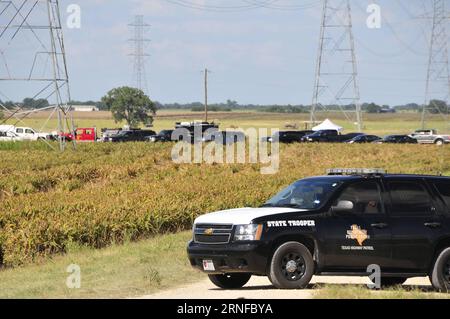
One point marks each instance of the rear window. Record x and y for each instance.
(409, 199)
(444, 189)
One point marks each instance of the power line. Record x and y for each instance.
(336, 69)
(438, 74)
(250, 5)
(139, 53)
(49, 38)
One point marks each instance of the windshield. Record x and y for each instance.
(304, 194)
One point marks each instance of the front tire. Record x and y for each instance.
(230, 281)
(440, 276)
(292, 266)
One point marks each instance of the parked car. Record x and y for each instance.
(107, 133)
(196, 130)
(329, 136)
(163, 136)
(338, 224)
(430, 137)
(25, 133)
(288, 136)
(9, 137)
(131, 136)
(225, 137)
(363, 139)
(397, 139)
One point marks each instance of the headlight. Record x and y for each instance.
(248, 232)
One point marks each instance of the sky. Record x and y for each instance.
(256, 55)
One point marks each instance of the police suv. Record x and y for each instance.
(338, 224)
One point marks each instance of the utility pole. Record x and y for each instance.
(206, 93)
(438, 75)
(336, 67)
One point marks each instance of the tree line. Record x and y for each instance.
(133, 106)
(435, 106)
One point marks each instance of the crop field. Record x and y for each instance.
(103, 194)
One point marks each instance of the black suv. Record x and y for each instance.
(131, 136)
(363, 139)
(163, 136)
(397, 139)
(337, 224)
(288, 136)
(329, 136)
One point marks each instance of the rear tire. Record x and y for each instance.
(230, 281)
(439, 142)
(440, 276)
(292, 266)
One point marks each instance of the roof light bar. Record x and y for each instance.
(355, 171)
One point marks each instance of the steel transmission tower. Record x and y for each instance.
(139, 53)
(336, 70)
(33, 64)
(438, 75)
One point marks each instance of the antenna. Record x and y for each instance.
(336, 69)
(438, 75)
(139, 54)
(33, 62)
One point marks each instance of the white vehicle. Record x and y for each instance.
(430, 137)
(25, 133)
(9, 137)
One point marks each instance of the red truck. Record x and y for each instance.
(82, 135)
(86, 134)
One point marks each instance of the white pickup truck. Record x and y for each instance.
(23, 133)
(430, 137)
(9, 137)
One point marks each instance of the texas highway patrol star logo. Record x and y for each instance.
(360, 235)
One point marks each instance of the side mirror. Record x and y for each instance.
(343, 206)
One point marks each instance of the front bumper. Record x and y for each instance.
(231, 258)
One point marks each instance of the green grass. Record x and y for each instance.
(129, 270)
(362, 292)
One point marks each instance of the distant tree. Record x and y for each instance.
(30, 103)
(373, 108)
(131, 105)
(438, 106)
(232, 104)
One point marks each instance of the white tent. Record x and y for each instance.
(327, 125)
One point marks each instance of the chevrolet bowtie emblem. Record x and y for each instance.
(209, 231)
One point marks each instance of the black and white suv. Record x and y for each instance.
(337, 224)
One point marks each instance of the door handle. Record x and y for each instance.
(433, 225)
(379, 225)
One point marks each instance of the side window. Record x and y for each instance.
(409, 199)
(444, 189)
(19, 130)
(28, 131)
(365, 196)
